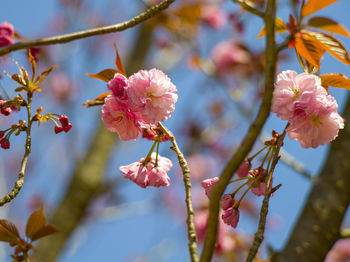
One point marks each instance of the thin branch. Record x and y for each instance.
(259, 235)
(249, 6)
(192, 236)
(248, 141)
(345, 233)
(61, 39)
(19, 183)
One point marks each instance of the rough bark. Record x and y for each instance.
(318, 226)
(88, 176)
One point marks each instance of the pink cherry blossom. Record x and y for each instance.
(214, 16)
(208, 185)
(152, 94)
(118, 86)
(5, 40)
(244, 168)
(148, 174)
(231, 217)
(340, 252)
(6, 29)
(315, 122)
(120, 119)
(291, 87)
(227, 201)
(227, 54)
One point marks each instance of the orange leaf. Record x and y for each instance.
(32, 62)
(313, 6)
(280, 27)
(336, 80)
(331, 45)
(310, 49)
(105, 75)
(329, 25)
(100, 100)
(35, 222)
(8, 231)
(118, 62)
(44, 231)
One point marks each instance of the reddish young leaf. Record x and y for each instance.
(44, 231)
(329, 25)
(118, 62)
(105, 75)
(280, 27)
(309, 48)
(313, 6)
(43, 75)
(35, 222)
(8, 231)
(331, 45)
(335, 80)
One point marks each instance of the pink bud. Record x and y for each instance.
(66, 126)
(6, 29)
(227, 201)
(208, 185)
(6, 111)
(244, 168)
(58, 129)
(231, 217)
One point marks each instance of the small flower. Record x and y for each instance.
(214, 16)
(5, 143)
(118, 86)
(227, 201)
(152, 94)
(149, 174)
(120, 119)
(244, 168)
(231, 217)
(66, 126)
(208, 185)
(6, 29)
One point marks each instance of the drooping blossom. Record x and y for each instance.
(244, 168)
(118, 86)
(291, 87)
(152, 94)
(149, 174)
(214, 16)
(120, 119)
(227, 54)
(231, 217)
(208, 185)
(5, 143)
(227, 201)
(316, 122)
(66, 125)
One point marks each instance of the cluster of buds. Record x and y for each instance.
(64, 125)
(8, 106)
(14, 129)
(257, 180)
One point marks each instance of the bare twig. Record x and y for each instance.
(249, 6)
(259, 235)
(192, 236)
(19, 183)
(248, 141)
(88, 33)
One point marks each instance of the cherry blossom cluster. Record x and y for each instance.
(310, 110)
(135, 106)
(138, 102)
(7, 33)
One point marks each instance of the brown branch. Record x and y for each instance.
(259, 235)
(249, 6)
(27, 147)
(191, 231)
(88, 33)
(319, 223)
(248, 141)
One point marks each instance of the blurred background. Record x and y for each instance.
(211, 52)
